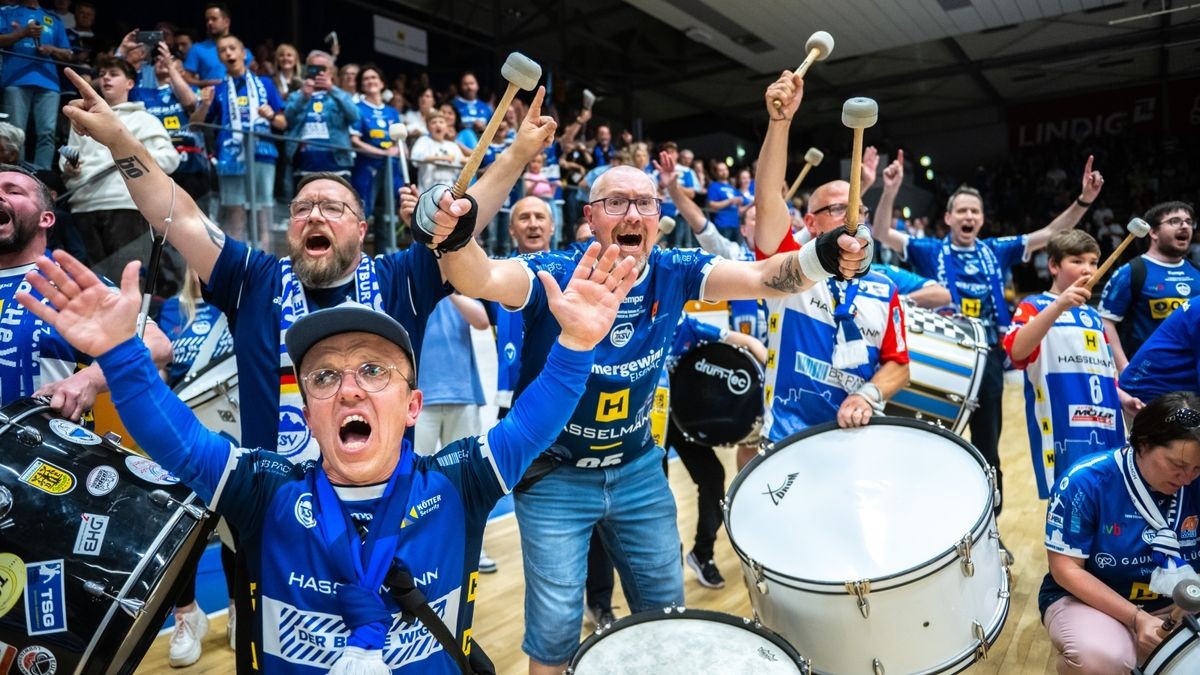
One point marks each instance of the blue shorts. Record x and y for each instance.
(233, 190)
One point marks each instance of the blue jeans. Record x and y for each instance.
(635, 512)
(19, 102)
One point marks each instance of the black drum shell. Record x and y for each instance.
(717, 394)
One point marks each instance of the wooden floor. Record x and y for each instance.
(1021, 648)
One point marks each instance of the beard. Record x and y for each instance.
(319, 273)
(23, 232)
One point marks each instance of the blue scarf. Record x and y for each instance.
(849, 348)
(364, 565)
(231, 158)
(948, 275)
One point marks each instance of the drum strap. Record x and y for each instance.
(412, 602)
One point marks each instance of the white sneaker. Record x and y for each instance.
(486, 564)
(231, 629)
(190, 629)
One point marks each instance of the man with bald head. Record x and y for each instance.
(604, 467)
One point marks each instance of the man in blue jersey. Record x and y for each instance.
(472, 113)
(321, 114)
(1167, 362)
(202, 65)
(336, 541)
(35, 358)
(1163, 276)
(28, 77)
(604, 467)
(974, 271)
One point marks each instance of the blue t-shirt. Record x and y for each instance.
(298, 625)
(470, 112)
(686, 178)
(1169, 360)
(314, 159)
(726, 218)
(32, 354)
(373, 128)
(978, 273)
(22, 72)
(906, 281)
(1090, 517)
(203, 60)
(454, 375)
(218, 113)
(467, 138)
(611, 424)
(162, 102)
(188, 339)
(602, 156)
(409, 280)
(1165, 288)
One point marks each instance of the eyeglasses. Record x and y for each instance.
(1177, 221)
(370, 377)
(839, 210)
(619, 206)
(301, 208)
(1185, 417)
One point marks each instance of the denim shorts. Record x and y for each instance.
(233, 190)
(635, 510)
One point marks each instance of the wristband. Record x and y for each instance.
(1079, 201)
(810, 264)
(873, 396)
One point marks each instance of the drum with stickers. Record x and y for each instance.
(1179, 653)
(716, 394)
(92, 542)
(947, 355)
(212, 393)
(873, 549)
(685, 642)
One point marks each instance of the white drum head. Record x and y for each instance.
(682, 645)
(837, 505)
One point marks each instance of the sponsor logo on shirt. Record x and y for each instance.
(822, 371)
(1188, 529)
(1113, 530)
(1083, 360)
(1105, 560)
(621, 334)
(1091, 340)
(420, 510)
(304, 511)
(634, 370)
(1183, 289)
(612, 406)
(1161, 308)
(90, 537)
(1092, 416)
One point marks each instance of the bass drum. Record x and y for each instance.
(947, 355)
(874, 549)
(686, 642)
(1178, 654)
(717, 394)
(212, 393)
(94, 540)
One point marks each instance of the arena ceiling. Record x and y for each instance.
(671, 60)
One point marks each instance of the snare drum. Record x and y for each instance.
(872, 549)
(686, 642)
(717, 394)
(1179, 653)
(212, 394)
(93, 542)
(947, 355)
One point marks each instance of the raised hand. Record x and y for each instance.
(91, 115)
(870, 167)
(1077, 294)
(666, 170)
(444, 220)
(789, 91)
(1092, 182)
(408, 203)
(588, 305)
(92, 317)
(536, 132)
(893, 174)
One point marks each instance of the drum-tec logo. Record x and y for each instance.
(738, 380)
(777, 494)
(304, 511)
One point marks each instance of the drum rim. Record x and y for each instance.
(188, 381)
(688, 613)
(1188, 622)
(980, 523)
(755, 425)
(981, 349)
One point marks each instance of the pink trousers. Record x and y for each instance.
(1091, 642)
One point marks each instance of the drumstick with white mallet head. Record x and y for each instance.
(811, 158)
(819, 46)
(399, 135)
(1187, 601)
(1137, 228)
(521, 73)
(858, 113)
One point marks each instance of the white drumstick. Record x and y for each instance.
(1137, 228)
(819, 46)
(858, 114)
(521, 73)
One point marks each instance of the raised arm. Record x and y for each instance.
(774, 222)
(691, 212)
(156, 195)
(1090, 189)
(834, 253)
(883, 227)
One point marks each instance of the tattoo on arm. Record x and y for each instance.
(131, 167)
(215, 235)
(789, 278)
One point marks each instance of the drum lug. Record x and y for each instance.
(981, 651)
(877, 666)
(113, 437)
(165, 500)
(29, 436)
(760, 580)
(133, 608)
(860, 589)
(964, 553)
(805, 666)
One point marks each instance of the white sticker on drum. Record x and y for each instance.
(92, 528)
(37, 660)
(102, 480)
(150, 471)
(69, 431)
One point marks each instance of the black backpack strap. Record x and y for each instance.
(413, 604)
(1137, 279)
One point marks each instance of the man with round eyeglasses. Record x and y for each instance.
(1143, 292)
(336, 542)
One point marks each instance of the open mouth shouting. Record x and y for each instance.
(630, 243)
(354, 432)
(317, 244)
